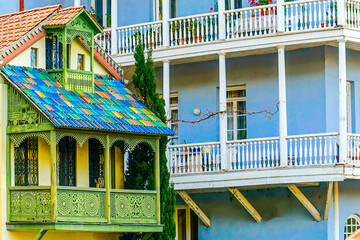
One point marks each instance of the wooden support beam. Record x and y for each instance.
(329, 191)
(304, 201)
(40, 234)
(246, 204)
(194, 207)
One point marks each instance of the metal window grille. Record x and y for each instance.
(96, 163)
(66, 162)
(352, 225)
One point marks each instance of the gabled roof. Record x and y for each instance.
(15, 25)
(111, 107)
(63, 16)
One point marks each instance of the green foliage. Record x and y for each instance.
(145, 83)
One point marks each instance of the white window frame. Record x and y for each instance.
(174, 107)
(351, 225)
(234, 113)
(188, 221)
(156, 10)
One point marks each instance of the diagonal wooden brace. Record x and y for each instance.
(304, 201)
(40, 234)
(329, 191)
(246, 204)
(194, 207)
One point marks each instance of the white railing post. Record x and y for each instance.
(282, 106)
(222, 109)
(77, 3)
(114, 23)
(280, 16)
(342, 103)
(166, 17)
(166, 88)
(221, 10)
(340, 12)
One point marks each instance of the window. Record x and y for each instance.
(33, 57)
(172, 8)
(66, 160)
(96, 164)
(54, 52)
(80, 62)
(186, 223)
(174, 114)
(352, 225)
(68, 55)
(26, 163)
(236, 117)
(232, 4)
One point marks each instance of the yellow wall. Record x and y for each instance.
(61, 235)
(119, 168)
(82, 165)
(44, 163)
(23, 59)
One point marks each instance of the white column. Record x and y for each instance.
(336, 211)
(342, 103)
(114, 23)
(166, 17)
(222, 109)
(221, 10)
(77, 3)
(282, 106)
(341, 12)
(280, 16)
(104, 5)
(166, 88)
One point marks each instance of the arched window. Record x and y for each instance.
(352, 225)
(26, 163)
(66, 161)
(96, 163)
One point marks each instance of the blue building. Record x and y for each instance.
(264, 100)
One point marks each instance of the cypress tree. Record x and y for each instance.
(145, 84)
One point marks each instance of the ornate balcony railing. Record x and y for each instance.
(75, 80)
(296, 16)
(82, 205)
(261, 153)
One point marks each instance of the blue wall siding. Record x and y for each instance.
(134, 11)
(8, 6)
(197, 86)
(283, 215)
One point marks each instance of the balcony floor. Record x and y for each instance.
(93, 227)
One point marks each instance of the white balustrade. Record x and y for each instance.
(352, 16)
(193, 158)
(194, 29)
(252, 21)
(104, 40)
(149, 34)
(354, 149)
(311, 14)
(312, 149)
(253, 153)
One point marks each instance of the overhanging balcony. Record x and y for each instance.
(245, 23)
(310, 158)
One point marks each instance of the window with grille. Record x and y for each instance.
(352, 225)
(26, 162)
(174, 114)
(96, 164)
(66, 162)
(236, 113)
(54, 49)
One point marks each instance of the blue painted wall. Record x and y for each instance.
(8, 6)
(197, 86)
(134, 11)
(283, 215)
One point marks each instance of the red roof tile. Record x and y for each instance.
(15, 25)
(63, 16)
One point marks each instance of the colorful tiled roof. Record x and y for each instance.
(63, 16)
(15, 25)
(111, 107)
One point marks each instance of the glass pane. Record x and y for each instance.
(174, 141)
(237, 3)
(174, 114)
(236, 93)
(241, 134)
(181, 213)
(230, 106)
(241, 122)
(230, 123)
(174, 100)
(80, 62)
(33, 57)
(230, 135)
(174, 127)
(241, 106)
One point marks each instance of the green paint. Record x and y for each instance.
(53, 175)
(40, 234)
(107, 178)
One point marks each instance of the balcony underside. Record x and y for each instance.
(93, 227)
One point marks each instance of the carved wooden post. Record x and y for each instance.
(157, 179)
(53, 175)
(107, 178)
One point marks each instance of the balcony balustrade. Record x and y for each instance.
(298, 16)
(261, 153)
